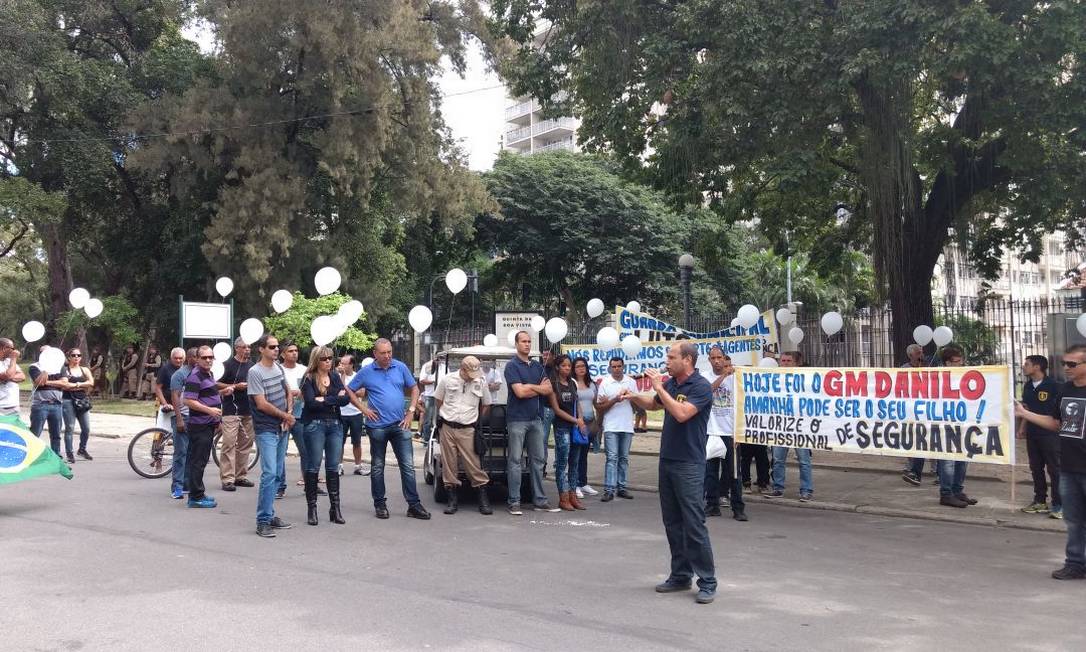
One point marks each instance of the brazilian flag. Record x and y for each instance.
(24, 456)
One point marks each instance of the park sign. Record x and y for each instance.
(951, 413)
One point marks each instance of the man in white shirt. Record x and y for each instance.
(353, 424)
(10, 377)
(720, 475)
(493, 381)
(428, 382)
(618, 427)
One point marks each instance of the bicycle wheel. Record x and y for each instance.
(254, 454)
(150, 453)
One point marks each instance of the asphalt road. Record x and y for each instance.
(108, 561)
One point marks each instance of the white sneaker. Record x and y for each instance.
(589, 490)
(579, 493)
(341, 469)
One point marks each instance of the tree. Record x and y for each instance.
(294, 324)
(572, 229)
(117, 326)
(927, 118)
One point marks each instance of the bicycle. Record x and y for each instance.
(150, 453)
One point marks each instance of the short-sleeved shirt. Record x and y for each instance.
(236, 403)
(1042, 398)
(722, 418)
(427, 373)
(525, 373)
(45, 395)
(493, 378)
(1072, 416)
(177, 384)
(460, 399)
(294, 382)
(620, 416)
(385, 388)
(271, 383)
(348, 410)
(685, 442)
(200, 387)
(9, 391)
(566, 396)
(165, 373)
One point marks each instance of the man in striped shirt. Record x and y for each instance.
(205, 413)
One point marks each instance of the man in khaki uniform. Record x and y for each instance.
(461, 398)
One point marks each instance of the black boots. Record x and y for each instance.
(452, 504)
(334, 514)
(484, 502)
(311, 497)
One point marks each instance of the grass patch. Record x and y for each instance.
(129, 408)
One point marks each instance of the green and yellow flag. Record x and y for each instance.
(24, 456)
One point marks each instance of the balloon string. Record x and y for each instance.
(448, 324)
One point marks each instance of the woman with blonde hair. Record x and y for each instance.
(323, 394)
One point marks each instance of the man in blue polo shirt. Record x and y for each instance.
(386, 381)
(524, 425)
(687, 399)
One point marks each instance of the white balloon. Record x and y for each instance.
(33, 331)
(922, 335)
(282, 300)
(420, 318)
(633, 306)
(785, 316)
(222, 352)
(327, 280)
(512, 337)
(1080, 324)
(78, 298)
(323, 330)
(538, 323)
(607, 338)
(768, 362)
(942, 336)
(631, 345)
(351, 311)
(217, 369)
(367, 362)
(51, 360)
(556, 329)
(795, 335)
(490, 340)
(251, 330)
(735, 322)
(748, 316)
(832, 322)
(93, 308)
(456, 280)
(341, 324)
(224, 286)
(595, 308)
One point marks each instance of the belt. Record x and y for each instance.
(454, 424)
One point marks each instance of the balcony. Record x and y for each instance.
(520, 110)
(518, 134)
(556, 124)
(566, 143)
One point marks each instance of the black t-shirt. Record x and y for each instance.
(1042, 399)
(165, 374)
(235, 372)
(685, 442)
(1072, 416)
(566, 395)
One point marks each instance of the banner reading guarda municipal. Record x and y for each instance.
(959, 413)
(743, 345)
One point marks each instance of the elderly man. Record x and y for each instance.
(180, 421)
(162, 380)
(462, 398)
(386, 381)
(10, 377)
(238, 434)
(687, 399)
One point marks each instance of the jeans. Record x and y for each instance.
(578, 464)
(180, 455)
(521, 434)
(617, 468)
(760, 456)
(681, 487)
(720, 477)
(70, 418)
(402, 448)
(1073, 492)
(548, 424)
(952, 477)
(272, 446)
(1044, 452)
(297, 431)
(561, 458)
(200, 444)
(51, 414)
(324, 437)
(803, 456)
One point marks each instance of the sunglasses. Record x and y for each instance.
(326, 359)
(75, 355)
(1070, 365)
(207, 357)
(271, 346)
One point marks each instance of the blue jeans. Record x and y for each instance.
(1073, 495)
(402, 448)
(273, 455)
(180, 454)
(70, 418)
(578, 464)
(681, 506)
(561, 458)
(548, 425)
(952, 477)
(323, 437)
(521, 434)
(297, 431)
(803, 456)
(51, 414)
(617, 467)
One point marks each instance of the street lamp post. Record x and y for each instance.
(686, 267)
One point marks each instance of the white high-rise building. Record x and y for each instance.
(528, 132)
(958, 280)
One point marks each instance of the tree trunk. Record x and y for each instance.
(56, 248)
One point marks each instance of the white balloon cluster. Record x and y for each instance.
(80, 298)
(941, 336)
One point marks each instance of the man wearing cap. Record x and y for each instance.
(461, 398)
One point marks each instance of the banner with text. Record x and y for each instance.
(651, 329)
(958, 413)
(742, 350)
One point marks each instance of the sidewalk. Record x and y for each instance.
(864, 484)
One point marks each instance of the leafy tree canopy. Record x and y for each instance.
(294, 324)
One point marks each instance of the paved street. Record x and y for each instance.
(108, 561)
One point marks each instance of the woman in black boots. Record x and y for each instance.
(323, 393)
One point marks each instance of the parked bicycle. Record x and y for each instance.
(150, 453)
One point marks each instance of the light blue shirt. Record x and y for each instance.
(384, 391)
